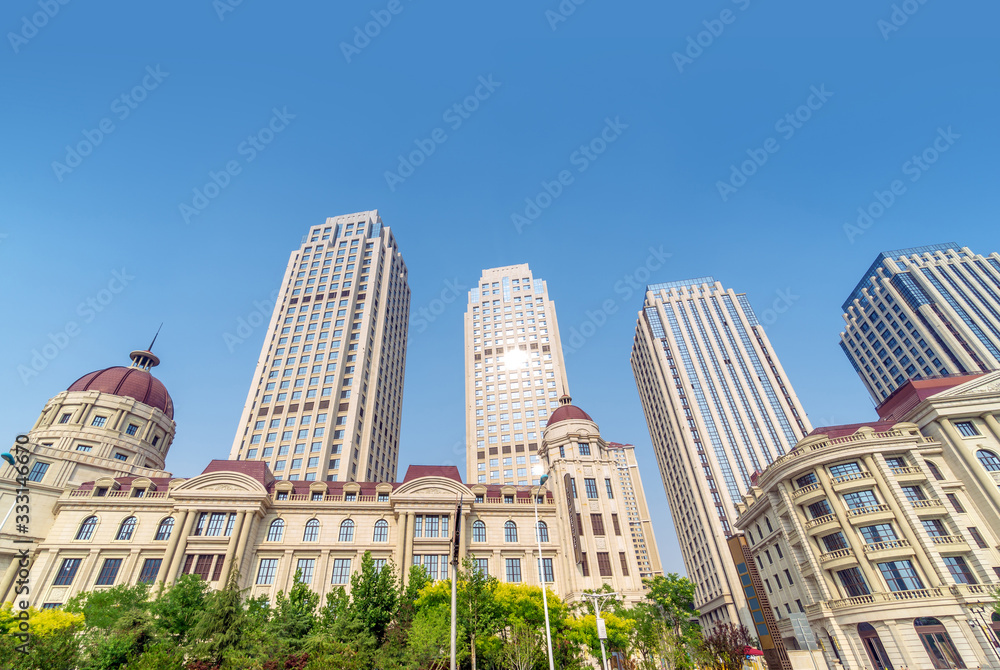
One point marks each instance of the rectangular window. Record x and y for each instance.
(150, 568)
(895, 462)
(99, 421)
(834, 541)
(882, 532)
(64, 418)
(959, 570)
(900, 576)
(215, 524)
(305, 567)
(980, 542)
(611, 492)
(591, 486)
(623, 559)
(572, 482)
(853, 582)
(549, 575)
(431, 526)
(121, 457)
(268, 568)
(614, 522)
(203, 567)
(341, 571)
(584, 449)
(953, 499)
(913, 493)
(788, 576)
(37, 472)
(132, 429)
(597, 523)
(109, 571)
(431, 565)
(418, 526)
(806, 480)
(965, 428)
(860, 499)
(934, 527)
(584, 566)
(819, 509)
(604, 564)
(513, 570)
(844, 469)
(482, 565)
(67, 571)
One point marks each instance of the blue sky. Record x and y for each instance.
(686, 91)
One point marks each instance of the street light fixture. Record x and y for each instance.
(541, 573)
(987, 633)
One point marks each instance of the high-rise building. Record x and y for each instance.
(514, 374)
(325, 399)
(719, 409)
(634, 499)
(923, 312)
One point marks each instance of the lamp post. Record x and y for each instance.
(541, 573)
(597, 613)
(987, 633)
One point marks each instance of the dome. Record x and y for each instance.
(566, 412)
(132, 382)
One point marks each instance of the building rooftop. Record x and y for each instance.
(894, 253)
(914, 391)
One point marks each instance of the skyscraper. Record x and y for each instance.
(922, 312)
(325, 399)
(719, 409)
(514, 374)
(634, 500)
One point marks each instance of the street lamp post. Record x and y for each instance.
(597, 613)
(541, 574)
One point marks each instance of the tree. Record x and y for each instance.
(374, 596)
(295, 614)
(221, 626)
(724, 647)
(673, 596)
(177, 608)
(53, 644)
(524, 646)
(477, 604)
(104, 609)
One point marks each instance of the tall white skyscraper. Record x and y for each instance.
(923, 312)
(325, 399)
(514, 374)
(719, 409)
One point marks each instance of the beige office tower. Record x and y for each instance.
(639, 523)
(326, 396)
(514, 374)
(923, 312)
(719, 409)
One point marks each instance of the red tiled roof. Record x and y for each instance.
(256, 469)
(915, 391)
(566, 413)
(417, 471)
(128, 382)
(833, 432)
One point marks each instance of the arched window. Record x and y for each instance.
(347, 531)
(937, 643)
(510, 532)
(126, 529)
(381, 531)
(873, 645)
(935, 470)
(87, 528)
(543, 532)
(276, 531)
(478, 531)
(311, 533)
(989, 460)
(165, 528)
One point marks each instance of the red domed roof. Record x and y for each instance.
(132, 382)
(566, 411)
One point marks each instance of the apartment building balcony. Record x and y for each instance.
(808, 494)
(866, 515)
(854, 481)
(888, 550)
(929, 507)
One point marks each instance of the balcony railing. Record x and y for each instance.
(976, 592)
(129, 493)
(805, 489)
(927, 504)
(948, 539)
(834, 555)
(910, 470)
(852, 477)
(812, 523)
(870, 509)
(888, 544)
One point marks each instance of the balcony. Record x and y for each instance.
(832, 560)
(908, 474)
(822, 523)
(852, 481)
(860, 515)
(890, 597)
(888, 549)
(929, 507)
(808, 494)
(951, 542)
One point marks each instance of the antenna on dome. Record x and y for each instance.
(150, 347)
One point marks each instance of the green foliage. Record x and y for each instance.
(53, 644)
(104, 609)
(295, 614)
(178, 607)
(374, 596)
(220, 627)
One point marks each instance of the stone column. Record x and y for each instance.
(408, 545)
(231, 547)
(168, 554)
(175, 560)
(241, 546)
(401, 530)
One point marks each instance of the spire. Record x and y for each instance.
(150, 347)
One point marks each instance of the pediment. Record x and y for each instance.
(220, 481)
(432, 487)
(986, 385)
